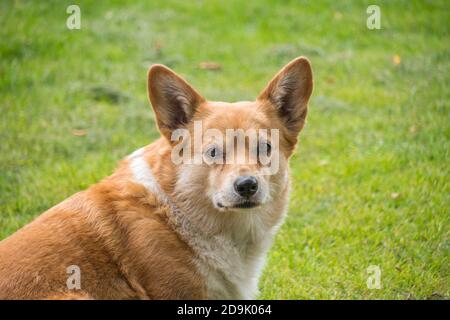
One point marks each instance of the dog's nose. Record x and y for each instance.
(246, 186)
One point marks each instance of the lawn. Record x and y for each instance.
(370, 176)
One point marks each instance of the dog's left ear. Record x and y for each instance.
(173, 99)
(289, 91)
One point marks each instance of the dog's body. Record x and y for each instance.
(160, 230)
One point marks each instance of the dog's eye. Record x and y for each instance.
(213, 154)
(264, 148)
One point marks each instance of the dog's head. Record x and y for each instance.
(231, 156)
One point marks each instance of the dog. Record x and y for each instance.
(161, 229)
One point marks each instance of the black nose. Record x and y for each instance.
(246, 186)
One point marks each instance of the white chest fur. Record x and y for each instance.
(231, 264)
(233, 273)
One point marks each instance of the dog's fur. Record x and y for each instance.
(156, 230)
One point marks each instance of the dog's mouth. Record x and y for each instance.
(242, 205)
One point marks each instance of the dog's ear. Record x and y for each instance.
(289, 91)
(173, 99)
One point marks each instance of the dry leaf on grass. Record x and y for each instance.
(210, 66)
(396, 59)
(79, 133)
(395, 195)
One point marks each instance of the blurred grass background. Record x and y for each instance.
(370, 176)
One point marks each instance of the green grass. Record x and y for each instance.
(371, 173)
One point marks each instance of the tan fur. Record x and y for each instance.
(132, 243)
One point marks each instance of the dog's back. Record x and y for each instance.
(116, 233)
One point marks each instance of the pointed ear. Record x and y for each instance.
(289, 91)
(173, 99)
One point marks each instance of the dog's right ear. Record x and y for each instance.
(289, 92)
(173, 99)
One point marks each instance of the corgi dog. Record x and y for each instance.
(161, 228)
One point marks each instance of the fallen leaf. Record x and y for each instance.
(413, 129)
(210, 66)
(395, 195)
(79, 133)
(396, 59)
